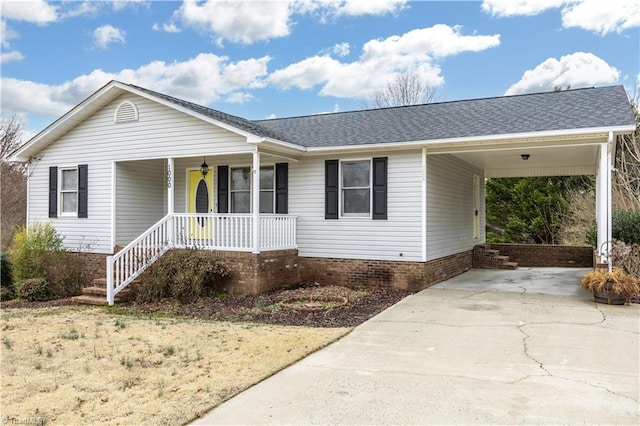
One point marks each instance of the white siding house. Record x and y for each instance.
(402, 186)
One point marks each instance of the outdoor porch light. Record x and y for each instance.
(204, 169)
(525, 157)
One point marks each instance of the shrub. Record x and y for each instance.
(625, 226)
(6, 281)
(627, 257)
(183, 274)
(34, 289)
(65, 273)
(29, 248)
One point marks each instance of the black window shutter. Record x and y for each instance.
(282, 188)
(53, 192)
(83, 194)
(380, 188)
(223, 189)
(331, 189)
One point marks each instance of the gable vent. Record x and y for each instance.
(126, 111)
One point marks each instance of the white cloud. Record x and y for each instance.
(578, 69)
(34, 11)
(238, 97)
(341, 49)
(307, 73)
(239, 21)
(368, 7)
(591, 15)
(167, 28)
(506, 8)
(11, 56)
(248, 22)
(381, 60)
(203, 79)
(105, 35)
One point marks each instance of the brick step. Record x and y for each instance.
(102, 291)
(89, 300)
(489, 252)
(96, 294)
(509, 265)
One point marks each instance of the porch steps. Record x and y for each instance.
(96, 294)
(485, 257)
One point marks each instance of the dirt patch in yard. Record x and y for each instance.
(309, 305)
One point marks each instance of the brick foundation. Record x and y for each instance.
(539, 255)
(259, 273)
(94, 264)
(412, 276)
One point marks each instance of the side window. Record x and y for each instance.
(69, 191)
(356, 188)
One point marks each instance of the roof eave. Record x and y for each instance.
(595, 131)
(62, 125)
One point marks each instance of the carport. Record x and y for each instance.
(555, 153)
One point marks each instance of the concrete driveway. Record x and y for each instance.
(464, 355)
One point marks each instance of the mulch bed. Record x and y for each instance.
(308, 305)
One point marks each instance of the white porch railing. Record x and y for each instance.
(228, 232)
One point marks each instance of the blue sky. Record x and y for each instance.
(283, 58)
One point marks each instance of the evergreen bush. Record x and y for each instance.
(6, 281)
(625, 226)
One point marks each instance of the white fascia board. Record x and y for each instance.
(486, 139)
(277, 144)
(62, 124)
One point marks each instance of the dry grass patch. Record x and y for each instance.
(89, 365)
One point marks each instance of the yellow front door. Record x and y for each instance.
(200, 201)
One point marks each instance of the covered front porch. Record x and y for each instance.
(232, 202)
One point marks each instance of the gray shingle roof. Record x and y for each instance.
(570, 109)
(232, 120)
(563, 110)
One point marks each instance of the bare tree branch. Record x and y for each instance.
(13, 182)
(404, 89)
(626, 184)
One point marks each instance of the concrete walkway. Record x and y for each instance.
(464, 356)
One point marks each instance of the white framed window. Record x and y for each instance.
(267, 189)
(68, 193)
(355, 186)
(240, 189)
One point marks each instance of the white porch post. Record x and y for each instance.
(603, 200)
(170, 195)
(256, 201)
(424, 204)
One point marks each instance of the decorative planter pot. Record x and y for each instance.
(608, 297)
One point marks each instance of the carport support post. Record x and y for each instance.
(603, 200)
